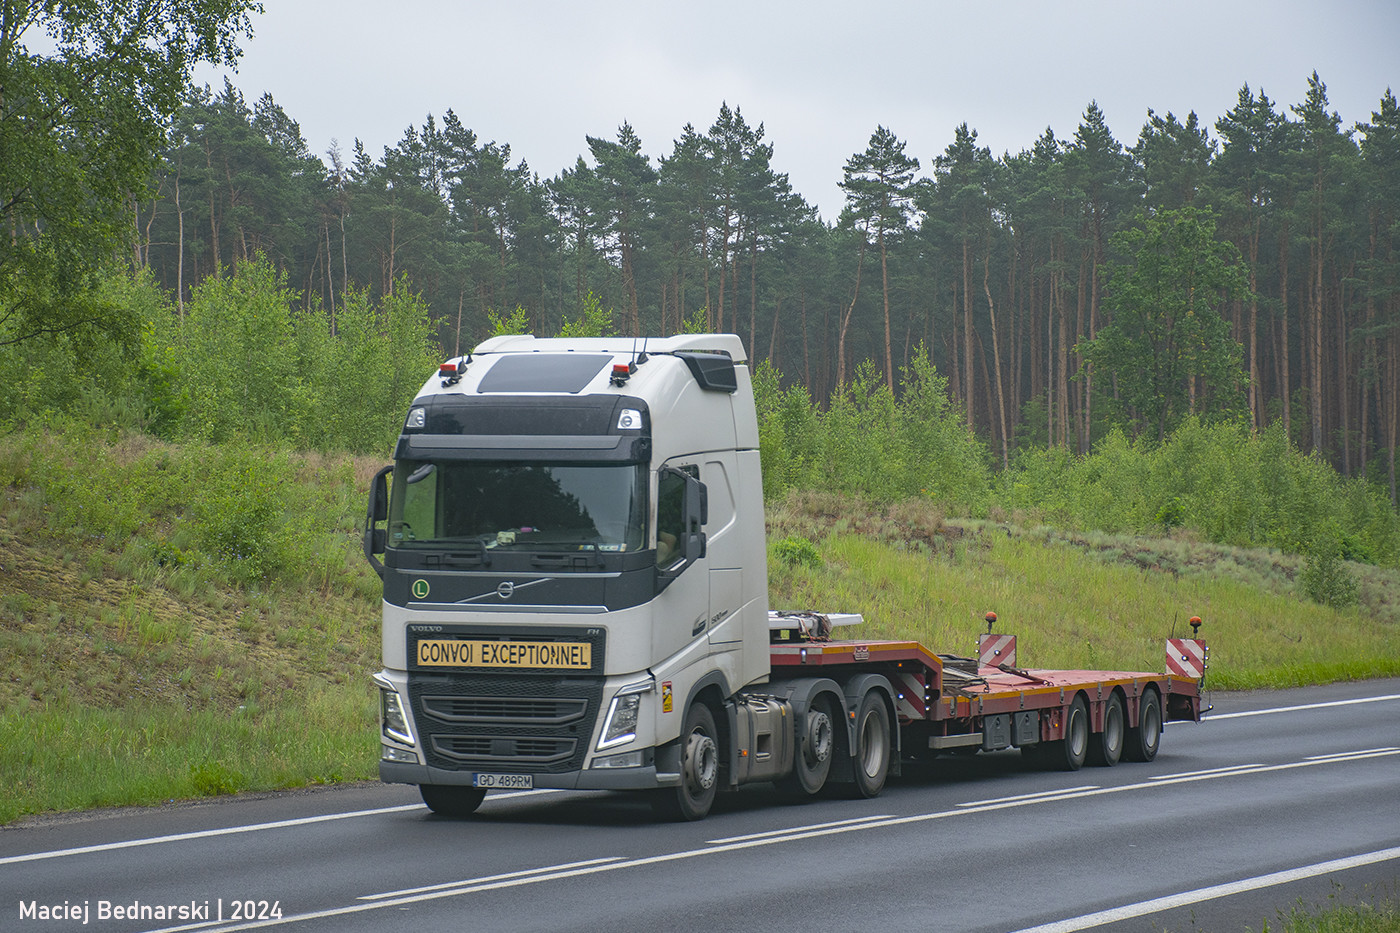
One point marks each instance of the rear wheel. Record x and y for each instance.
(872, 759)
(816, 744)
(1106, 747)
(452, 799)
(692, 799)
(1068, 754)
(1144, 740)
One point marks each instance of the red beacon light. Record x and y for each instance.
(451, 373)
(621, 372)
(991, 618)
(1195, 626)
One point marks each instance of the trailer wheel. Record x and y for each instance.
(1144, 740)
(693, 797)
(452, 799)
(1068, 754)
(872, 758)
(1106, 747)
(812, 762)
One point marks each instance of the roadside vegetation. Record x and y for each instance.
(1369, 911)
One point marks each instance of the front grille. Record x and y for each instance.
(505, 710)
(509, 752)
(507, 722)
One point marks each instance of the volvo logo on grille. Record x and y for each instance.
(506, 590)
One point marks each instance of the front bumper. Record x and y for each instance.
(642, 778)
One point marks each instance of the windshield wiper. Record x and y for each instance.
(477, 555)
(572, 560)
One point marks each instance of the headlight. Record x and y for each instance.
(621, 725)
(395, 723)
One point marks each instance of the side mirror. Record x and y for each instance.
(695, 514)
(376, 539)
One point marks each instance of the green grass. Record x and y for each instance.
(144, 656)
(1371, 910)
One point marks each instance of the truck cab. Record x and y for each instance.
(571, 540)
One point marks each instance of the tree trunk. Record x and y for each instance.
(885, 289)
(1285, 390)
(968, 396)
(846, 317)
(996, 361)
(179, 253)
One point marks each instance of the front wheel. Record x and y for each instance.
(452, 799)
(694, 796)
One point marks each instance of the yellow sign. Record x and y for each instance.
(446, 652)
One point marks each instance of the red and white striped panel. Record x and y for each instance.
(996, 649)
(1186, 657)
(909, 696)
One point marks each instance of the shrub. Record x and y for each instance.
(795, 552)
(1325, 579)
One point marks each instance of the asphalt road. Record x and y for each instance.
(1279, 798)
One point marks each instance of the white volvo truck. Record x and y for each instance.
(572, 544)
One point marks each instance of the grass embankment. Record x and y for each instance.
(179, 622)
(182, 621)
(1078, 601)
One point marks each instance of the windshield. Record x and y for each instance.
(522, 506)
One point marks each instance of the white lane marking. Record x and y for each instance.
(1142, 908)
(204, 834)
(1348, 756)
(489, 878)
(281, 824)
(797, 835)
(1168, 777)
(1214, 717)
(794, 829)
(1044, 793)
(234, 830)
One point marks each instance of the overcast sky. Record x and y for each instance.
(819, 75)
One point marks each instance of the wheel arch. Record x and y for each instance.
(853, 692)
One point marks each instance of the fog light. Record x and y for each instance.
(390, 753)
(625, 760)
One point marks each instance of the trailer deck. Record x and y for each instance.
(949, 702)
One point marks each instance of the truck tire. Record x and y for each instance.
(1146, 737)
(452, 799)
(812, 762)
(871, 763)
(693, 797)
(1069, 753)
(1106, 747)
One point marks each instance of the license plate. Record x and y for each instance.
(504, 781)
